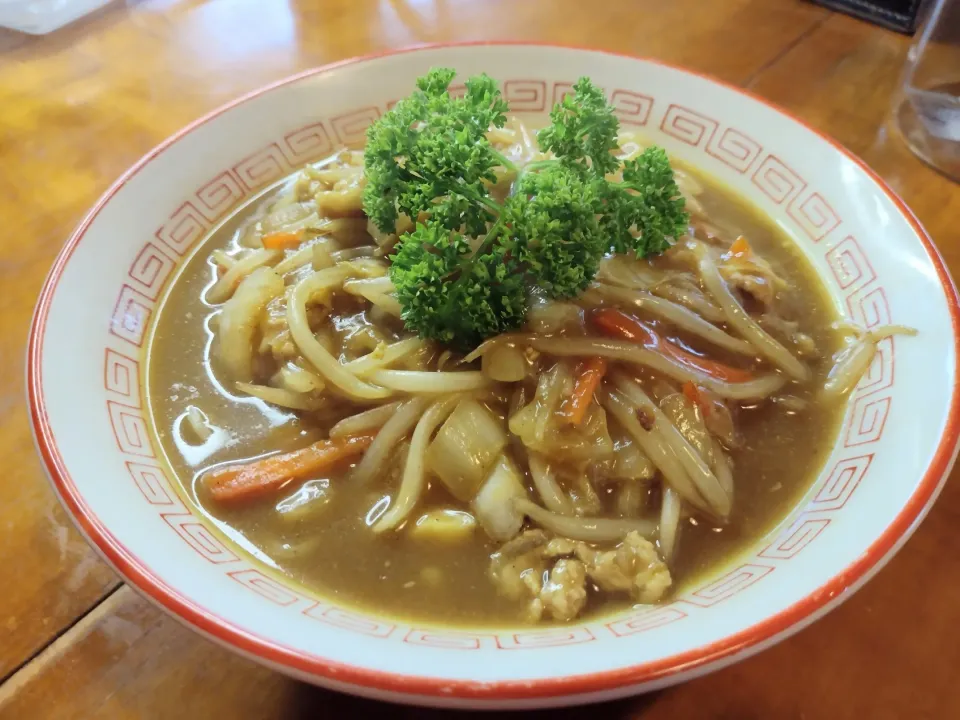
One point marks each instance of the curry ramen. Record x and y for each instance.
(607, 447)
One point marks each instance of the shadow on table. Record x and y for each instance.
(309, 702)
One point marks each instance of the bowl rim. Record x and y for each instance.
(748, 641)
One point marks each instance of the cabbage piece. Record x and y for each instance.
(505, 364)
(465, 448)
(494, 504)
(590, 440)
(240, 319)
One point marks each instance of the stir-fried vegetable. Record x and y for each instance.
(618, 324)
(591, 373)
(235, 483)
(586, 529)
(740, 246)
(282, 240)
(414, 479)
(493, 505)
(462, 273)
(505, 364)
(465, 448)
(239, 318)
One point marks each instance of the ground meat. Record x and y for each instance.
(565, 592)
(523, 543)
(758, 288)
(754, 277)
(522, 570)
(550, 574)
(517, 570)
(633, 566)
(560, 547)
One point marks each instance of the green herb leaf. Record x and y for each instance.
(451, 295)
(464, 272)
(583, 127)
(553, 216)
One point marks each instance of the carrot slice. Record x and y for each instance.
(282, 240)
(591, 373)
(618, 324)
(244, 481)
(691, 392)
(740, 246)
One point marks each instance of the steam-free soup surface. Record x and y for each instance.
(318, 532)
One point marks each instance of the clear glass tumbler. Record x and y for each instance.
(927, 110)
(38, 17)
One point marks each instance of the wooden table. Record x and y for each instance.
(79, 106)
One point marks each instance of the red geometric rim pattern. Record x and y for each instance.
(155, 264)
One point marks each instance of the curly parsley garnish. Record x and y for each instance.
(462, 274)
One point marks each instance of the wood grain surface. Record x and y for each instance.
(79, 106)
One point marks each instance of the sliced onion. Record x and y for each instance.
(685, 418)
(413, 381)
(296, 379)
(546, 484)
(365, 421)
(631, 499)
(741, 321)
(850, 366)
(678, 315)
(239, 319)
(230, 280)
(628, 352)
(381, 358)
(374, 460)
(280, 396)
(656, 446)
(631, 463)
(325, 363)
(555, 316)
(321, 253)
(369, 287)
(718, 418)
(302, 257)
(723, 470)
(697, 470)
(289, 216)
(669, 523)
(585, 529)
(412, 484)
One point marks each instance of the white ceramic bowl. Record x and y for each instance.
(893, 452)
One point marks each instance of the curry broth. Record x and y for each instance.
(330, 550)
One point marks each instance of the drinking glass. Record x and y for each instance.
(927, 110)
(38, 17)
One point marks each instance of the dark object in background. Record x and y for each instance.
(902, 15)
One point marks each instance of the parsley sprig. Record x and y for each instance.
(463, 273)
